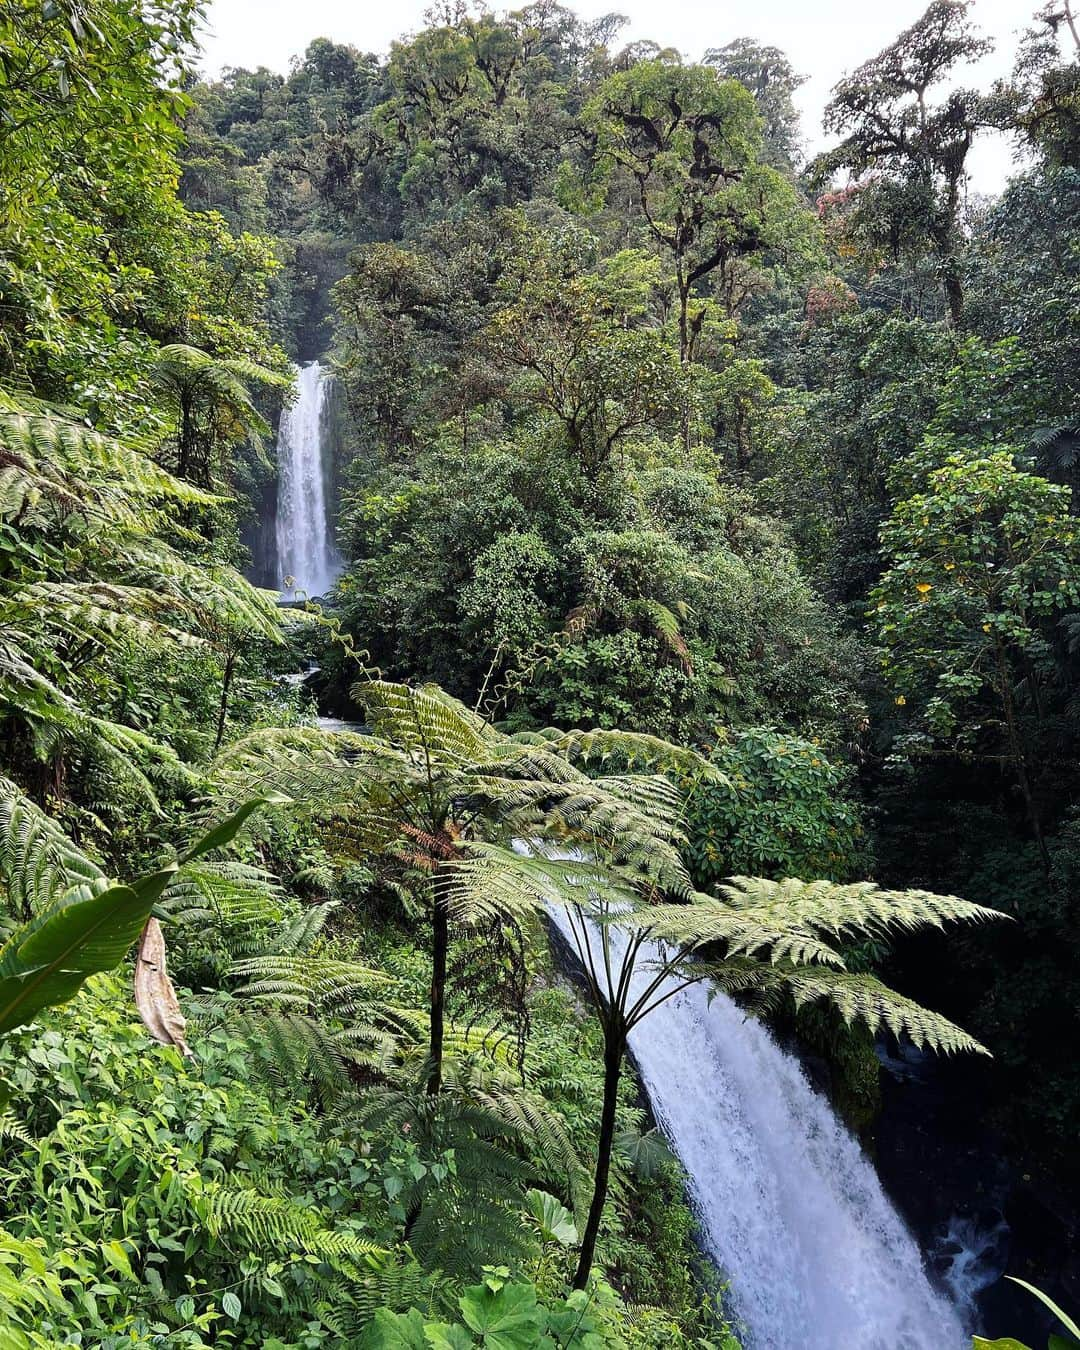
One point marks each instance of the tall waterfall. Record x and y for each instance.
(790, 1209)
(305, 550)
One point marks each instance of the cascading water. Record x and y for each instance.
(790, 1209)
(305, 549)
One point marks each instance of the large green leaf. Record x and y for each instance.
(507, 1319)
(443, 1336)
(554, 1220)
(46, 962)
(396, 1331)
(1067, 1322)
(48, 965)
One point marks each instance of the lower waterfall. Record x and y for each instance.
(790, 1209)
(307, 560)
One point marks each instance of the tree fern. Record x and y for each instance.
(211, 403)
(89, 569)
(766, 940)
(438, 788)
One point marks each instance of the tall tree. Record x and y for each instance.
(691, 144)
(1042, 100)
(579, 343)
(909, 154)
(771, 78)
(979, 563)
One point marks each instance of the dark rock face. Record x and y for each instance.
(975, 1214)
(257, 536)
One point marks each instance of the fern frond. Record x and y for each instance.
(665, 624)
(49, 460)
(13, 1130)
(862, 998)
(38, 861)
(632, 749)
(851, 912)
(276, 1223)
(395, 1280)
(800, 921)
(425, 721)
(226, 894)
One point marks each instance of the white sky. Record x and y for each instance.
(824, 39)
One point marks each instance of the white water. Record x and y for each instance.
(972, 1253)
(790, 1209)
(305, 549)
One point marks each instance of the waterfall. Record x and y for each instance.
(305, 550)
(790, 1209)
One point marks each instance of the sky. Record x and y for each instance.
(824, 39)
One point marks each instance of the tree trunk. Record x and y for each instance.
(440, 945)
(185, 438)
(1019, 758)
(684, 318)
(1070, 19)
(614, 1048)
(223, 706)
(686, 342)
(954, 290)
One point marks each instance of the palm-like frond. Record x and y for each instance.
(236, 901)
(630, 748)
(312, 983)
(665, 624)
(858, 998)
(209, 597)
(425, 722)
(105, 611)
(798, 921)
(395, 1280)
(38, 861)
(865, 999)
(53, 465)
(278, 1223)
(324, 771)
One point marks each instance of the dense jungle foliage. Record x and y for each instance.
(710, 546)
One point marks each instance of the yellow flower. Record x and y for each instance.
(900, 700)
(949, 566)
(986, 628)
(923, 587)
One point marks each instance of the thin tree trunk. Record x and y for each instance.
(1019, 758)
(440, 945)
(614, 1048)
(223, 706)
(1071, 21)
(954, 290)
(685, 352)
